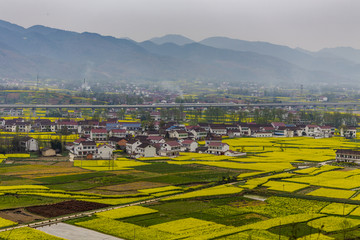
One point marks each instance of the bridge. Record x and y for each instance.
(190, 105)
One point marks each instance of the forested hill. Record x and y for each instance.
(70, 56)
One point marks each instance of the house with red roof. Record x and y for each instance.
(69, 125)
(276, 125)
(327, 131)
(312, 130)
(189, 146)
(217, 148)
(120, 133)
(349, 132)
(85, 148)
(178, 134)
(99, 134)
(170, 148)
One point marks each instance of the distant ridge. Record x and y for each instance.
(172, 38)
(70, 57)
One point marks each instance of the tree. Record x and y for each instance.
(121, 114)
(15, 144)
(56, 145)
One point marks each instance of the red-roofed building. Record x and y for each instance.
(120, 133)
(276, 125)
(312, 130)
(85, 148)
(199, 133)
(170, 148)
(178, 134)
(327, 131)
(349, 132)
(79, 140)
(99, 134)
(69, 125)
(156, 116)
(189, 146)
(217, 148)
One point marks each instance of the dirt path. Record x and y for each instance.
(20, 215)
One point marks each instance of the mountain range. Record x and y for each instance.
(71, 56)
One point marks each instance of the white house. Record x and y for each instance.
(350, 132)
(120, 133)
(85, 148)
(199, 133)
(189, 145)
(326, 131)
(170, 148)
(178, 134)
(156, 116)
(312, 130)
(131, 145)
(218, 130)
(245, 130)
(99, 134)
(156, 139)
(145, 150)
(234, 133)
(29, 144)
(263, 134)
(212, 139)
(217, 148)
(71, 126)
(105, 152)
(21, 127)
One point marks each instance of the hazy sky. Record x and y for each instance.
(310, 24)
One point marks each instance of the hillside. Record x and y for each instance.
(70, 57)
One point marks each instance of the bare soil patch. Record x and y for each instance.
(64, 208)
(20, 215)
(126, 187)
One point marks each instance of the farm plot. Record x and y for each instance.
(193, 228)
(332, 224)
(108, 165)
(6, 223)
(26, 233)
(63, 208)
(126, 212)
(121, 229)
(213, 191)
(285, 186)
(338, 209)
(332, 193)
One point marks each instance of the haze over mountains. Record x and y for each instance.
(70, 56)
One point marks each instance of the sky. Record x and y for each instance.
(308, 24)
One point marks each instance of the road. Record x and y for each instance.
(72, 232)
(188, 105)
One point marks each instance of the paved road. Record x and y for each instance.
(186, 105)
(71, 232)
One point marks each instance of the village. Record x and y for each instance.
(100, 139)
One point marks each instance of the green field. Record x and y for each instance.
(314, 196)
